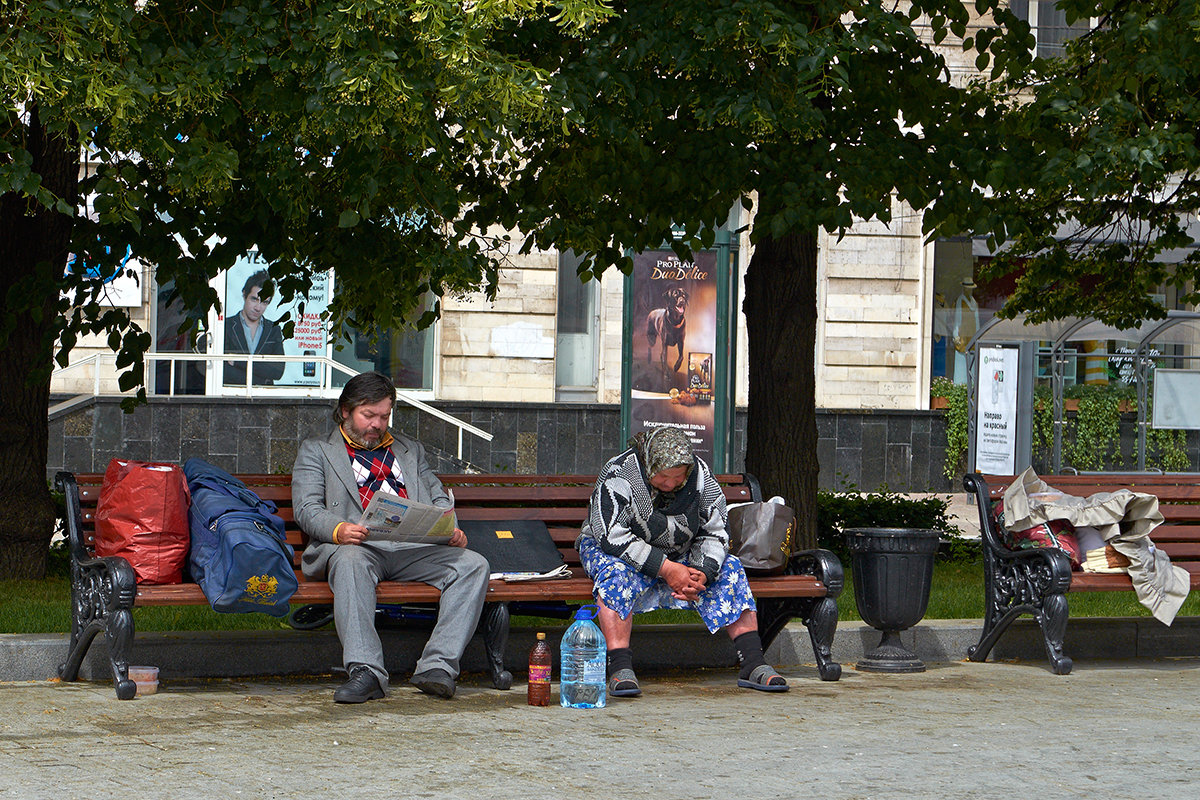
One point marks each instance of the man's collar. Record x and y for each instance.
(385, 442)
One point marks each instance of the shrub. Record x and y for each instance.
(837, 511)
(955, 418)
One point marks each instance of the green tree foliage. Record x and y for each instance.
(816, 114)
(1094, 177)
(831, 109)
(351, 134)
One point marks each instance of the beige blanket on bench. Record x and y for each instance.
(1124, 520)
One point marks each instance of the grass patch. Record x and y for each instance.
(35, 606)
(201, 618)
(957, 593)
(44, 607)
(1122, 604)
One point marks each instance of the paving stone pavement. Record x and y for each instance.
(1109, 730)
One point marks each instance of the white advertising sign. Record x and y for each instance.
(996, 415)
(1176, 399)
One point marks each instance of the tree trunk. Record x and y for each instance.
(34, 242)
(781, 323)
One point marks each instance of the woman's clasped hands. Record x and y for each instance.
(686, 583)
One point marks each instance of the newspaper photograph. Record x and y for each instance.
(396, 519)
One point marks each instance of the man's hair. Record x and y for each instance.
(369, 387)
(259, 279)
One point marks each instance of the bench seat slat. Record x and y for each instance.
(575, 589)
(1103, 582)
(1171, 486)
(549, 515)
(1179, 513)
(1180, 551)
(1168, 532)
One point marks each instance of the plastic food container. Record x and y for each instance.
(146, 679)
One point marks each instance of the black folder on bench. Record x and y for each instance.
(518, 549)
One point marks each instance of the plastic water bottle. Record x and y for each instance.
(583, 660)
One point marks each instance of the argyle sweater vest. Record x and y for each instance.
(373, 469)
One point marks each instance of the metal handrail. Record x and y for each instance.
(324, 389)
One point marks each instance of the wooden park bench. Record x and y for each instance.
(1036, 581)
(104, 590)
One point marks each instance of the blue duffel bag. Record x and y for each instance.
(239, 553)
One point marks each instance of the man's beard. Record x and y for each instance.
(368, 441)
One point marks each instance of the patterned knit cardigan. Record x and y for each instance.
(621, 519)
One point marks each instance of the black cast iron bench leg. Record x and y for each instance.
(819, 614)
(495, 623)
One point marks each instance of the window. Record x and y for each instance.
(251, 322)
(406, 355)
(1049, 25)
(960, 307)
(576, 352)
(963, 302)
(169, 316)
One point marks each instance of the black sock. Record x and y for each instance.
(749, 653)
(619, 659)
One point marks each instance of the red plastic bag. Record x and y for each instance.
(1058, 533)
(142, 516)
(1054, 533)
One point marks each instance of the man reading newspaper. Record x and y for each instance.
(333, 482)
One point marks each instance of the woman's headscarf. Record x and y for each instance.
(663, 448)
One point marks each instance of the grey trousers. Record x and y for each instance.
(460, 574)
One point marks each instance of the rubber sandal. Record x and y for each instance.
(763, 678)
(624, 683)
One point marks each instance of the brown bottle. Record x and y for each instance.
(539, 672)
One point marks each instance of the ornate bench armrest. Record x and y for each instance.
(1051, 563)
(822, 565)
(111, 580)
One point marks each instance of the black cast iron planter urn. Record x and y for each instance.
(893, 572)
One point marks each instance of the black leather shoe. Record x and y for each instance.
(362, 686)
(436, 682)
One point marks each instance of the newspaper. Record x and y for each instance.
(391, 518)
(562, 571)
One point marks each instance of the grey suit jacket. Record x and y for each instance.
(325, 493)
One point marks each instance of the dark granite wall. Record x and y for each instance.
(903, 450)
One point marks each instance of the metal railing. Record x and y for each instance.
(322, 388)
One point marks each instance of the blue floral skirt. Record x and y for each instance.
(627, 591)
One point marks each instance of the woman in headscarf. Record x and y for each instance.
(656, 537)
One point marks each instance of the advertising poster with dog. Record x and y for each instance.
(674, 344)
